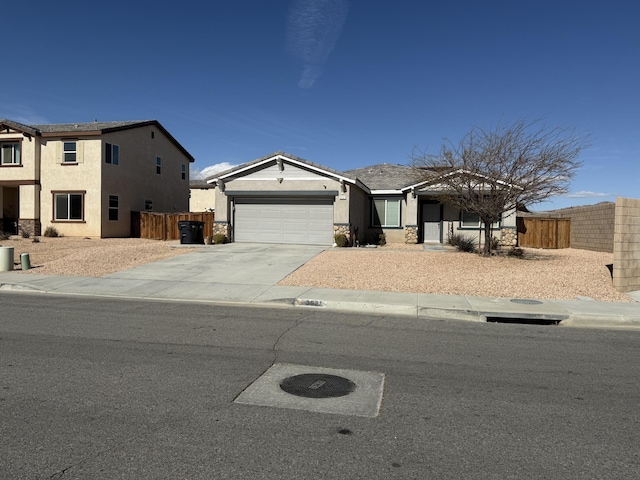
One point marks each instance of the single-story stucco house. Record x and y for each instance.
(281, 198)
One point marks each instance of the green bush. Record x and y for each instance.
(220, 238)
(50, 232)
(382, 240)
(340, 239)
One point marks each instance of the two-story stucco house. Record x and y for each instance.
(85, 179)
(281, 198)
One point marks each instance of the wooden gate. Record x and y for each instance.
(544, 232)
(164, 226)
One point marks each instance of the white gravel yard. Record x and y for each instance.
(560, 274)
(551, 274)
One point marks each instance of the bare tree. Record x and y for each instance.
(491, 171)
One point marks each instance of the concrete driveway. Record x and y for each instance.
(232, 263)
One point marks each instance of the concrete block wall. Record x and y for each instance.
(626, 251)
(592, 226)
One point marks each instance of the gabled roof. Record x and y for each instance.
(386, 176)
(279, 155)
(88, 128)
(436, 178)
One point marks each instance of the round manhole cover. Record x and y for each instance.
(317, 385)
(526, 301)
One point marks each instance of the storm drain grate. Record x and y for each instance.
(317, 385)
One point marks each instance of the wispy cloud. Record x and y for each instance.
(22, 114)
(587, 194)
(201, 174)
(313, 28)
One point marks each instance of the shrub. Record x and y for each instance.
(25, 234)
(382, 240)
(50, 232)
(495, 243)
(515, 252)
(454, 239)
(340, 239)
(4, 236)
(220, 238)
(35, 240)
(466, 244)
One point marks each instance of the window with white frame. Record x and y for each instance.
(113, 207)
(69, 152)
(385, 212)
(472, 220)
(10, 153)
(112, 154)
(68, 206)
(158, 165)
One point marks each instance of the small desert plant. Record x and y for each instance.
(25, 234)
(495, 243)
(467, 244)
(340, 239)
(50, 232)
(4, 236)
(35, 240)
(220, 238)
(382, 239)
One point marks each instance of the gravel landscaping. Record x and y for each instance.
(560, 274)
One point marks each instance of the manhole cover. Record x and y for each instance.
(526, 301)
(317, 385)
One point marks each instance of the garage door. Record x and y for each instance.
(305, 221)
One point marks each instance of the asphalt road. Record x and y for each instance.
(102, 388)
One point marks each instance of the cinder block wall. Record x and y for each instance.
(592, 226)
(626, 251)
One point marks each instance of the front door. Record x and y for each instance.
(431, 223)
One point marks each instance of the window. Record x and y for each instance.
(386, 212)
(10, 153)
(158, 165)
(184, 172)
(69, 152)
(472, 220)
(68, 206)
(113, 207)
(112, 154)
(148, 205)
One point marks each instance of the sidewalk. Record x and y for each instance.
(198, 282)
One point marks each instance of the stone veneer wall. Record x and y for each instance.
(626, 245)
(344, 228)
(221, 227)
(508, 237)
(592, 226)
(411, 234)
(30, 227)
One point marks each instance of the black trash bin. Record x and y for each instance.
(191, 232)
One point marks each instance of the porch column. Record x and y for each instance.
(29, 210)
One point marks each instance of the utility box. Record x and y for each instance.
(191, 232)
(6, 259)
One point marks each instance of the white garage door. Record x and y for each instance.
(305, 221)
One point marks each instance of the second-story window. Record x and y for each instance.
(69, 152)
(184, 172)
(112, 154)
(158, 165)
(10, 153)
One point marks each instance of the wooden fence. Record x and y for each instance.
(164, 226)
(544, 232)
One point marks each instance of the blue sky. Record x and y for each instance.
(341, 83)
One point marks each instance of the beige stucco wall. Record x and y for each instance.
(202, 199)
(135, 179)
(626, 245)
(29, 149)
(83, 176)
